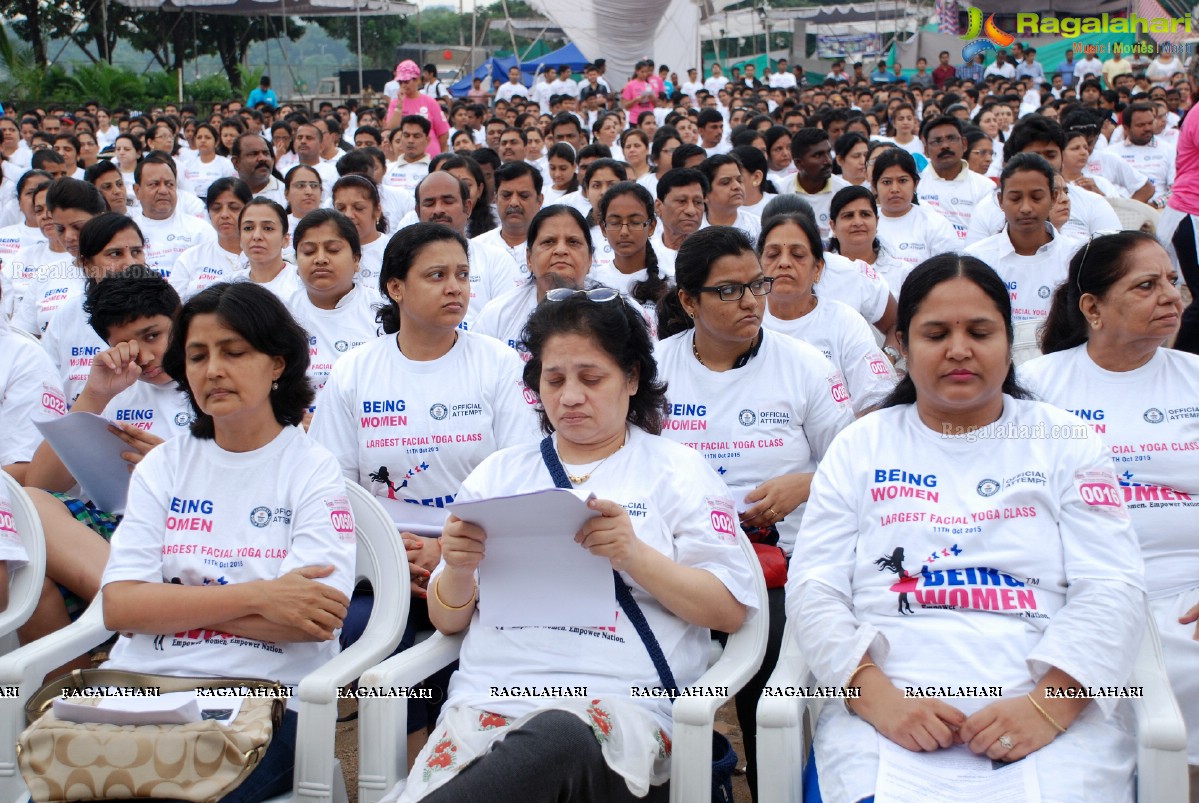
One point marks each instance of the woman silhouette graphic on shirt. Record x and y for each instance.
(906, 581)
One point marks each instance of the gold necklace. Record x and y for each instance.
(580, 480)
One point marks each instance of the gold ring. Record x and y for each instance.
(773, 515)
(1005, 742)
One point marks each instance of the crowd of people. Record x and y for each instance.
(920, 334)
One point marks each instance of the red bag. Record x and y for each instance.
(774, 564)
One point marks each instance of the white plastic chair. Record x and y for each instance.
(382, 723)
(381, 560)
(24, 584)
(784, 741)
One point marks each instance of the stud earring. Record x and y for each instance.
(274, 386)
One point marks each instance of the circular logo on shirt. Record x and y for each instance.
(260, 516)
(341, 345)
(1153, 416)
(184, 419)
(747, 418)
(439, 412)
(1043, 291)
(988, 487)
(954, 201)
(170, 238)
(366, 273)
(903, 246)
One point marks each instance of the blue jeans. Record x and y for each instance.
(273, 775)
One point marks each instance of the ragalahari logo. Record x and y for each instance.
(992, 37)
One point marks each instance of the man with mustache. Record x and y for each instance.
(681, 195)
(255, 165)
(948, 185)
(518, 199)
(443, 198)
(811, 151)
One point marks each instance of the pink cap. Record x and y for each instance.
(407, 70)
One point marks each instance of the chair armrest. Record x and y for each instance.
(383, 722)
(1159, 724)
(781, 738)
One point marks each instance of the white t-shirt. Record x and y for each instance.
(11, 548)
(17, 236)
(413, 430)
(917, 235)
(777, 415)
(1155, 161)
(195, 176)
(29, 390)
(167, 239)
(847, 341)
(782, 80)
(518, 252)
(406, 175)
(666, 255)
(285, 284)
(505, 316)
(1160, 72)
(747, 221)
(819, 201)
(855, 284)
(1086, 67)
(161, 410)
(187, 523)
(540, 93)
(715, 84)
(492, 273)
(1031, 280)
(953, 200)
(1006, 70)
(1090, 214)
(54, 280)
(689, 522)
(397, 204)
(1149, 418)
(509, 90)
(332, 333)
(1106, 164)
(893, 269)
(370, 265)
(72, 343)
(979, 559)
(203, 265)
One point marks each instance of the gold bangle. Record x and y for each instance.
(1045, 714)
(853, 675)
(437, 594)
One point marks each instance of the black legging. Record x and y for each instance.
(554, 756)
(1188, 262)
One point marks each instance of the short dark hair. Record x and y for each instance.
(691, 269)
(345, 227)
(685, 152)
(154, 158)
(239, 188)
(1125, 116)
(922, 281)
(40, 158)
(804, 140)
(371, 131)
(1030, 129)
(618, 330)
(98, 232)
(416, 119)
(261, 200)
(356, 161)
(260, 317)
(681, 177)
(401, 252)
(513, 171)
(940, 120)
(125, 296)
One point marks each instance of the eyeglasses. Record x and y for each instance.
(734, 292)
(306, 185)
(949, 139)
(598, 294)
(632, 225)
(980, 152)
(1086, 129)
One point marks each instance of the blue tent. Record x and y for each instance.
(488, 71)
(569, 54)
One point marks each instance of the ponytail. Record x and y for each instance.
(672, 317)
(654, 287)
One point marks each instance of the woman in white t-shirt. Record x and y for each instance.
(21, 240)
(357, 198)
(409, 415)
(853, 224)
(762, 408)
(564, 174)
(912, 232)
(634, 144)
(792, 256)
(759, 190)
(670, 542)
(272, 612)
(599, 177)
(950, 546)
(264, 235)
(302, 189)
(207, 165)
(1106, 361)
(778, 154)
(666, 141)
(127, 149)
(560, 252)
(726, 195)
(337, 312)
(105, 176)
(210, 262)
(627, 220)
(904, 130)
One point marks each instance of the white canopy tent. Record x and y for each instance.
(285, 8)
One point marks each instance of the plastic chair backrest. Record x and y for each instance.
(25, 584)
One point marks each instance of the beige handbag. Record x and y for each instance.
(200, 761)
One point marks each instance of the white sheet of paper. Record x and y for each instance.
(172, 708)
(956, 775)
(739, 493)
(93, 455)
(416, 519)
(534, 573)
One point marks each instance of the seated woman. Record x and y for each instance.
(357, 197)
(12, 550)
(853, 221)
(264, 236)
(559, 253)
(1104, 345)
(1043, 549)
(591, 362)
(211, 261)
(273, 613)
(911, 232)
(791, 255)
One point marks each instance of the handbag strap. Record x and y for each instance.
(623, 595)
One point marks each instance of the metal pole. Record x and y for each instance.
(358, 23)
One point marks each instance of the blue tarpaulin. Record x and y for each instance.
(498, 68)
